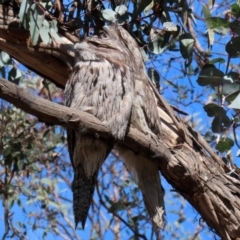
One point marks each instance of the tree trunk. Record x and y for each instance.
(184, 158)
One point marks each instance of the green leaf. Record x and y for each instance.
(207, 14)
(170, 27)
(149, 7)
(15, 75)
(220, 123)
(229, 88)
(210, 75)
(186, 45)
(121, 10)
(232, 77)
(155, 43)
(109, 15)
(53, 204)
(123, 19)
(24, 9)
(116, 207)
(44, 32)
(233, 47)
(54, 34)
(216, 22)
(217, 60)
(213, 110)
(26, 191)
(224, 145)
(235, 9)
(209, 137)
(4, 58)
(36, 21)
(53, 24)
(236, 103)
(46, 181)
(210, 32)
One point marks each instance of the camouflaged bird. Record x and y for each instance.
(109, 81)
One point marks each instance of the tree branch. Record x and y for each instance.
(196, 176)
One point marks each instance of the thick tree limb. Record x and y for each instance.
(202, 181)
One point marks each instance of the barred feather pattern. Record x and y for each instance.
(101, 84)
(109, 80)
(144, 117)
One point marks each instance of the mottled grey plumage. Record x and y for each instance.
(109, 80)
(100, 84)
(145, 118)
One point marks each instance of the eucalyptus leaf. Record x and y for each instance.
(210, 32)
(170, 27)
(216, 22)
(54, 34)
(236, 103)
(36, 21)
(116, 207)
(155, 43)
(224, 145)
(46, 181)
(217, 60)
(220, 123)
(121, 10)
(209, 137)
(109, 15)
(15, 75)
(186, 45)
(212, 109)
(123, 19)
(230, 86)
(5, 59)
(149, 7)
(235, 10)
(232, 77)
(44, 32)
(53, 24)
(210, 75)
(23, 9)
(233, 47)
(207, 15)
(26, 191)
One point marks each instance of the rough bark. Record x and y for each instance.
(184, 158)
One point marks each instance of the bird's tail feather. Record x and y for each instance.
(145, 173)
(89, 154)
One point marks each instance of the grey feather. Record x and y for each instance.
(99, 84)
(109, 80)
